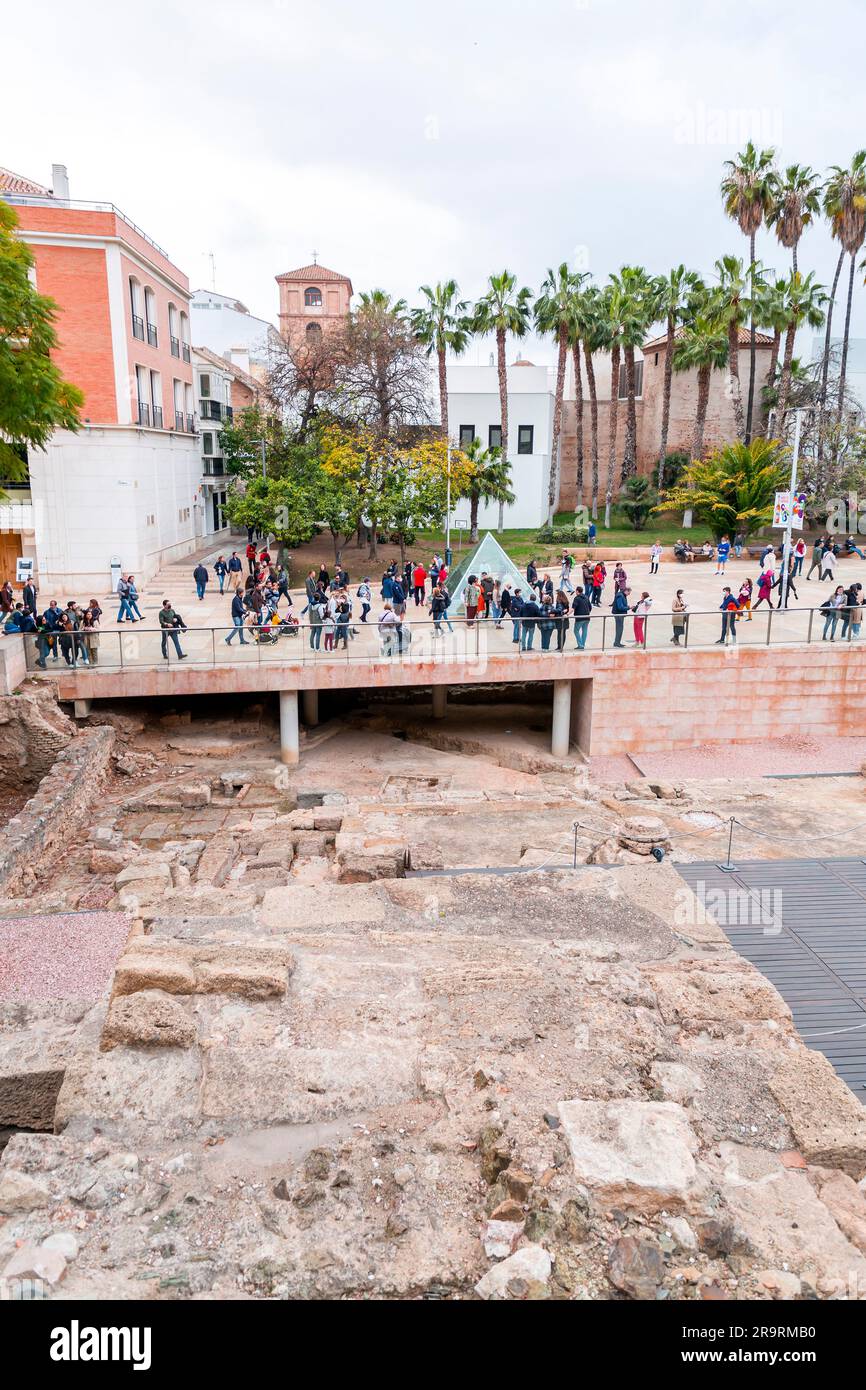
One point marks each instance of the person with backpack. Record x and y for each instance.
(618, 608)
(728, 607)
(581, 607)
(830, 608)
(765, 585)
(599, 574)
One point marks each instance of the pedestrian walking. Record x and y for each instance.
(221, 569)
(172, 625)
(655, 557)
(201, 577)
(679, 617)
(723, 550)
(830, 608)
(728, 606)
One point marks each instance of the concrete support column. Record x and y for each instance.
(81, 708)
(289, 737)
(440, 701)
(310, 707)
(561, 730)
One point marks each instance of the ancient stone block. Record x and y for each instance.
(632, 1153)
(148, 1018)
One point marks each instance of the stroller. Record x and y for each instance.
(289, 626)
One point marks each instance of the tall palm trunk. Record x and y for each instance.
(593, 426)
(557, 424)
(734, 373)
(785, 384)
(771, 376)
(825, 365)
(751, 339)
(614, 420)
(666, 398)
(843, 366)
(704, 374)
(473, 516)
(578, 418)
(443, 393)
(629, 460)
(503, 409)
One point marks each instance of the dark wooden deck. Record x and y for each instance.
(814, 952)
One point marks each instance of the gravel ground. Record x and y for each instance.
(69, 956)
(799, 753)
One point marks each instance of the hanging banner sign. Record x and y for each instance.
(789, 510)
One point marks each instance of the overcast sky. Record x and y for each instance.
(407, 143)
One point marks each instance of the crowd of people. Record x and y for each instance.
(546, 607)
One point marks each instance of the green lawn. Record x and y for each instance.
(522, 546)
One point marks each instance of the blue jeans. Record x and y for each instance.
(175, 637)
(316, 637)
(581, 627)
(515, 623)
(527, 633)
(125, 611)
(617, 633)
(238, 628)
(200, 588)
(830, 626)
(546, 634)
(222, 580)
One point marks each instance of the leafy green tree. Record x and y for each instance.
(501, 310)
(734, 489)
(590, 333)
(748, 190)
(639, 309)
(34, 398)
(241, 440)
(639, 499)
(285, 508)
(676, 460)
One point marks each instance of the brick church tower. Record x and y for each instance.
(313, 299)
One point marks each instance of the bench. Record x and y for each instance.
(697, 557)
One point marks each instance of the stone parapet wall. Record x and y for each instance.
(63, 802)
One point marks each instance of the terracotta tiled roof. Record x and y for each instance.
(231, 367)
(14, 183)
(761, 340)
(313, 272)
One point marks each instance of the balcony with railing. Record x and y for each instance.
(185, 350)
(214, 467)
(157, 417)
(143, 414)
(138, 327)
(152, 335)
(175, 347)
(211, 410)
(190, 424)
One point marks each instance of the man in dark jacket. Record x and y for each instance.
(28, 597)
(201, 577)
(729, 607)
(619, 608)
(581, 607)
(238, 614)
(529, 615)
(515, 611)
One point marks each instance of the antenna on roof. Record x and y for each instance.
(212, 270)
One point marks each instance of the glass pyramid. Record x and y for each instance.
(486, 555)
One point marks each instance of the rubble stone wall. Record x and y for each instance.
(63, 801)
(33, 730)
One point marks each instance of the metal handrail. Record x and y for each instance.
(459, 639)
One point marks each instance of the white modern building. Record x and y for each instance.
(227, 327)
(213, 386)
(474, 413)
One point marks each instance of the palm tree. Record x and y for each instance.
(503, 309)
(702, 347)
(442, 325)
(591, 330)
(555, 314)
(734, 489)
(735, 307)
(640, 309)
(574, 343)
(845, 205)
(489, 480)
(796, 200)
(612, 300)
(373, 302)
(747, 194)
(676, 294)
(805, 302)
(771, 312)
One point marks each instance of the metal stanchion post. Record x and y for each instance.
(728, 867)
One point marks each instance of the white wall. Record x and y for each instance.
(216, 324)
(93, 493)
(473, 399)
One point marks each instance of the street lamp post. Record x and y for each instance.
(448, 505)
(786, 549)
